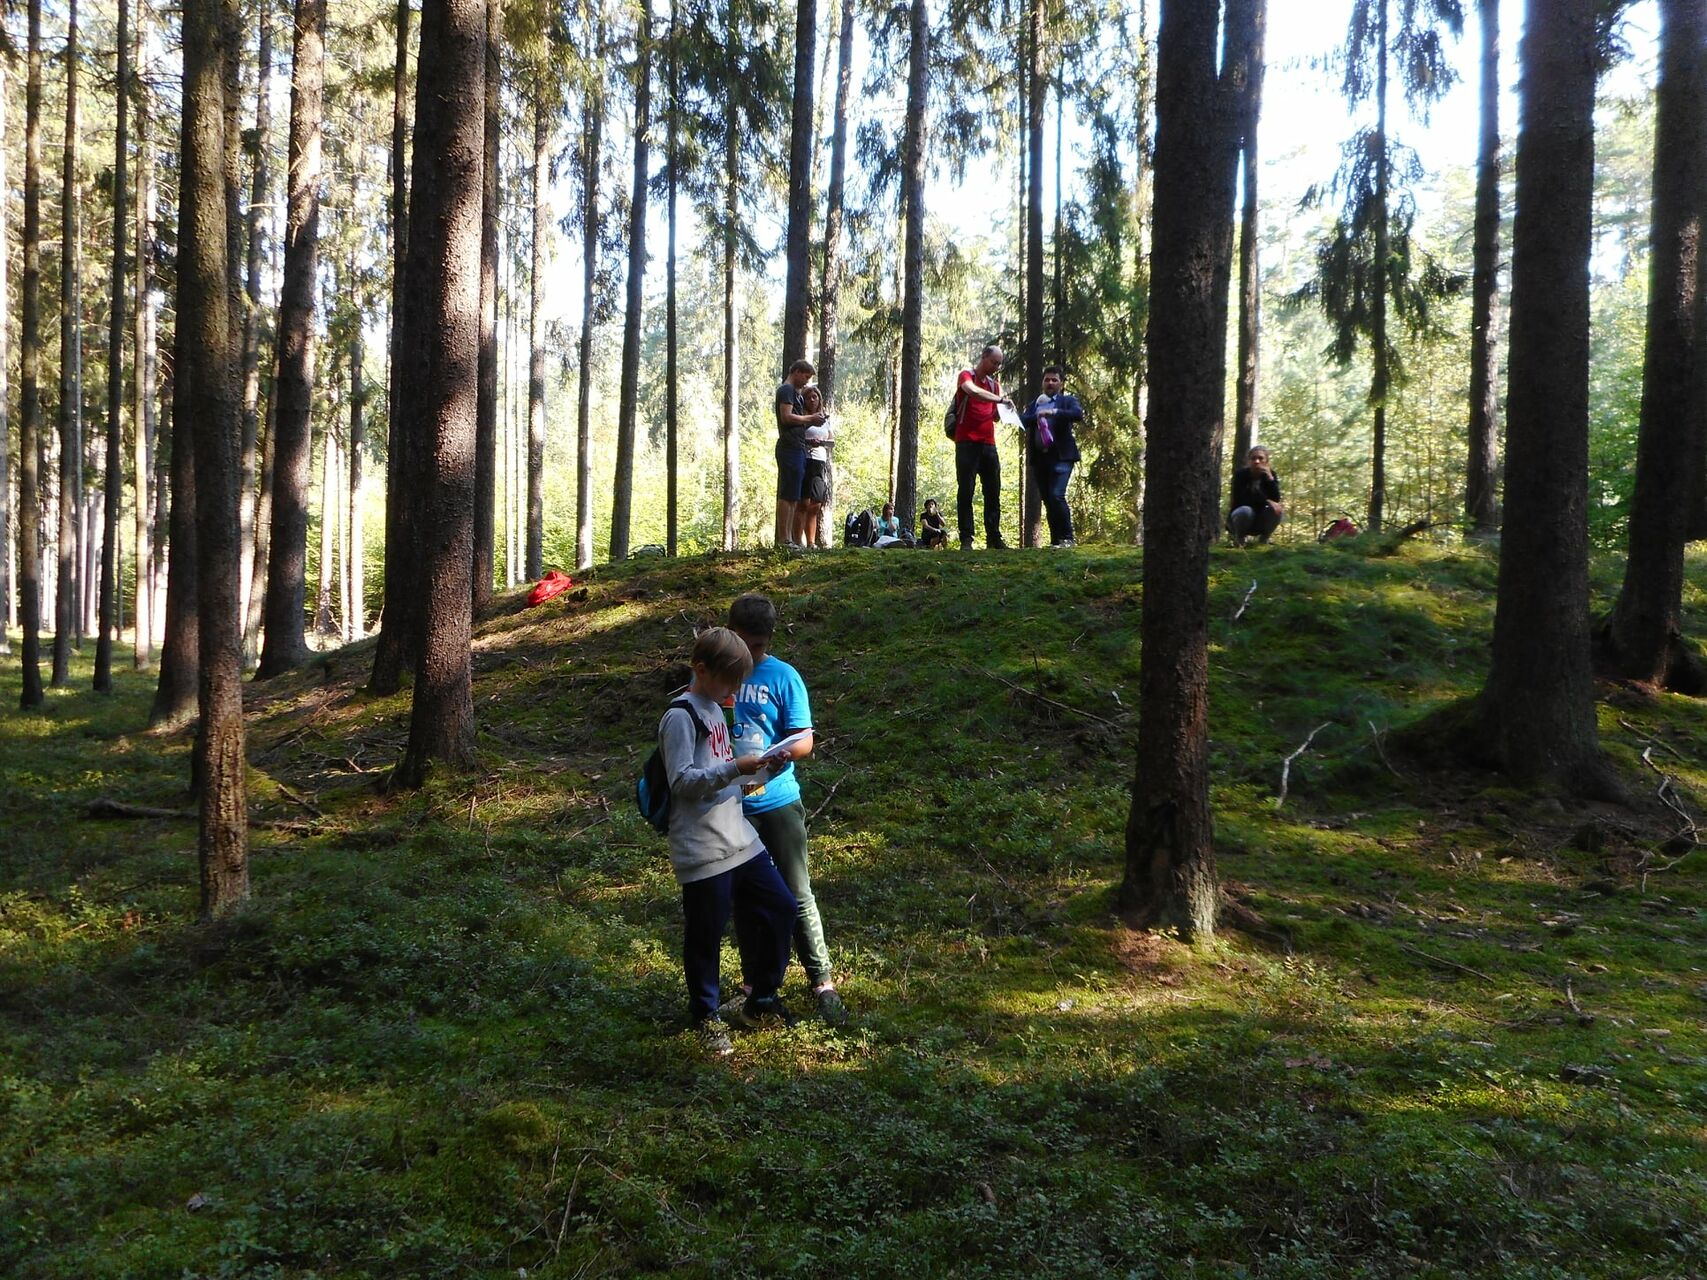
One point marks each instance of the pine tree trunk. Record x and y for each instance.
(29, 373)
(355, 610)
(592, 135)
(6, 548)
(114, 479)
(486, 423)
(66, 605)
(397, 628)
(142, 384)
(796, 295)
(912, 314)
(670, 328)
(539, 198)
(830, 291)
(1170, 857)
(1382, 380)
(1250, 273)
(629, 399)
(1481, 507)
(284, 645)
(324, 624)
(1643, 639)
(262, 551)
(731, 324)
(1031, 497)
(251, 356)
(1537, 709)
(443, 282)
(206, 382)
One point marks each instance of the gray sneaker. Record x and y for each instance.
(731, 1007)
(763, 1013)
(714, 1038)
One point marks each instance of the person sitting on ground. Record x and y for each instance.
(887, 525)
(1257, 509)
(933, 529)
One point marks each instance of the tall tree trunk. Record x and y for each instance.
(262, 551)
(114, 481)
(6, 549)
(1250, 274)
(251, 355)
(355, 612)
(731, 318)
(1481, 508)
(207, 386)
(912, 314)
(324, 623)
(1643, 639)
(486, 422)
(796, 294)
(539, 198)
(142, 383)
(443, 280)
(29, 373)
(1170, 856)
(670, 329)
(284, 646)
(65, 609)
(628, 403)
(175, 695)
(1537, 713)
(1382, 381)
(1138, 319)
(830, 291)
(397, 629)
(592, 135)
(1037, 80)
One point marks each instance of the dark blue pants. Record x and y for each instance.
(1052, 478)
(764, 912)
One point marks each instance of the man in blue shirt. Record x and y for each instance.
(771, 705)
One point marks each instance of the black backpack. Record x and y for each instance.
(951, 419)
(652, 790)
(859, 530)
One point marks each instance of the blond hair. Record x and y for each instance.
(723, 652)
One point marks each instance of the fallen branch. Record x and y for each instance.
(1245, 603)
(824, 803)
(1286, 765)
(1583, 1018)
(104, 807)
(1379, 749)
(1049, 702)
(1444, 962)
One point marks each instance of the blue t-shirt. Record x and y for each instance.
(774, 702)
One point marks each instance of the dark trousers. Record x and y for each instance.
(1051, 479)
(978, 463)
(764, 911)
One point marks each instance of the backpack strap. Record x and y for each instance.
(682, 704)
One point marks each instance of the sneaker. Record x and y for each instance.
(760, 1013)
(830, 1006)
(1065, 542)
(714, 1038)
(997, 544)
(731, 1007)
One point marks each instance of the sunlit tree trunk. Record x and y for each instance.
(355, 608)
(796, 300)
(1170, 857)
(670, 326)
(486, 424)
(259, 194)
(1382, 383)
(66, 611)
(324, 623)
(1037, 86)
(629, 398)
(731, 319)
(443, 282)
(539, 198)
(29, 419)
(592, 135)
(912, 316)
(6, 548)
(831, 288)
(1247, 406)
(1481, 508)
(113, 483)
(143, 382)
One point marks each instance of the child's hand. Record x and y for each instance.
(746, 766)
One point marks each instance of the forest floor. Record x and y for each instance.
(447, 1038)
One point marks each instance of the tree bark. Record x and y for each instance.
(175, 695)
(6, 609)
(1643, 639)
(355, 613)
(1383, 378)
(1481, 507)
(540, 202)
(830, 291)
(1037, 81)
(324, 623)
(262, 550)
(670, 327)
(592, 135)
(1170, 857)
(1537, 713)
(443, 280)
(486, 422)
(796, 295)
(66, 612)
(29, 373)
(629, 397)
(143, 382)
(259, 192)
(207, 387)
(284, 645)
(1247, 407)
(731, 316)
(114, 480)
(912, 314)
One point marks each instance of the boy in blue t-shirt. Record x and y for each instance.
(770, 705)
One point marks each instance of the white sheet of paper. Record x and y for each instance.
(783, 745)
(1009, 415)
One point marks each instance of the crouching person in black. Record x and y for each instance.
(1257, 509)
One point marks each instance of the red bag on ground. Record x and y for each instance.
(551, 585)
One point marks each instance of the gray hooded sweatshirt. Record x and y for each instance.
(708, 833)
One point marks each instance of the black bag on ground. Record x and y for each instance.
(652, 789)
(859, 530)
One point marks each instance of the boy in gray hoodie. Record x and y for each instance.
(718, 858)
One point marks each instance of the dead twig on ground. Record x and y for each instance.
(1245, 603)
(1048, 701)
(1583, 1018)
(1443, 962)
(1286, 765)
(1380, 750)
(824, 803)
(106, 808)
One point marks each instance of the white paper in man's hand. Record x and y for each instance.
(782, 748)
(1009, 415)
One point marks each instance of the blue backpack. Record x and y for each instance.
(652, 790)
